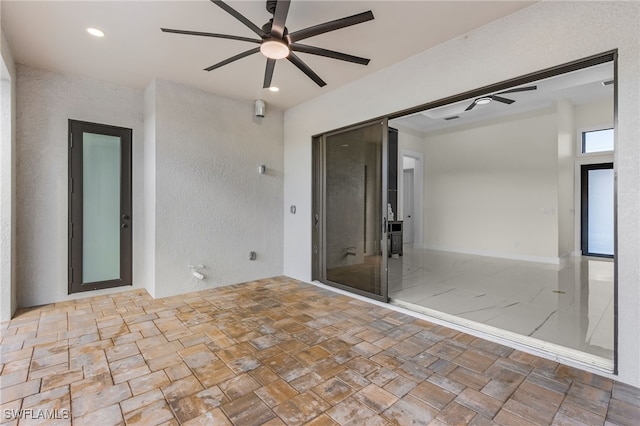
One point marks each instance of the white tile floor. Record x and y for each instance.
(570, 306)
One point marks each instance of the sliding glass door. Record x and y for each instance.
(350, 215)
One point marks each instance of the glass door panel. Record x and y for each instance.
(101, 207)
(598, 210)
(355, 243)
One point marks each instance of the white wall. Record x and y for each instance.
(212, 207)
(566, 151)
(8, 301)
(594, 115)
(45, 102)
(541, 36)
(492, 188)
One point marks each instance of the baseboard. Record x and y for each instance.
(498, 254)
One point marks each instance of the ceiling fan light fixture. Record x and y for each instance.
(274, 49)
(483, 101)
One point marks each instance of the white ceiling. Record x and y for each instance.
(577, 87)
(51, 35)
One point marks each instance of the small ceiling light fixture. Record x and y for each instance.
(274, 49)
(483, 101)
(274, 89)
(95, 32)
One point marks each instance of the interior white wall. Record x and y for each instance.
(212, 207)
(483, 182)
(45, 102)
(8, 301)
(541, 36)
(566, 150)
(593, 116)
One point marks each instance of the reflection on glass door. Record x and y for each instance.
(350, 244)
(598, 210)
(99, 206)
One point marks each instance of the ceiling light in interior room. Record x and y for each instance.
(274, 49)
(483, 101)
(95, 32)
(274, 89)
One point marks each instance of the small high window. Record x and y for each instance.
(597, 141)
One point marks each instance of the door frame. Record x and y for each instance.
(319, 214)
(584, 207)
(418, 195)
(410, 235)
(75, 216)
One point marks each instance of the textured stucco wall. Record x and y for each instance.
(149, 244)
(541, 36)
(45, 102)
(8, 301)
(212, 205)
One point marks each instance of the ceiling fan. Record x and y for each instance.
(483, 100)
(276, 42)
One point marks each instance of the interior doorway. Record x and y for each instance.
(411, 197)
(408, 175)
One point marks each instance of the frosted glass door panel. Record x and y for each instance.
(601, 211)
(101, 207)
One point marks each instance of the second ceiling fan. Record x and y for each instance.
(487, 99)
(276, 42)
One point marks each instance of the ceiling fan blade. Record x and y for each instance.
(231, 11)
(330, 26)
(472, 106)
(268, 73)
(279, 18)
(519, 89)
(233, 58)
(305, 69)
(328, 53)
(198, 33)
(501, 99)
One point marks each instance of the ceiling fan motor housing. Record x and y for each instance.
(271, 6)
(267, 28)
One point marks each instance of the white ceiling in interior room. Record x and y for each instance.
(52, 35)
(578, 87)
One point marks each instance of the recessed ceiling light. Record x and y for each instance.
(483, 101)
(274, 89)
(95, 32)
